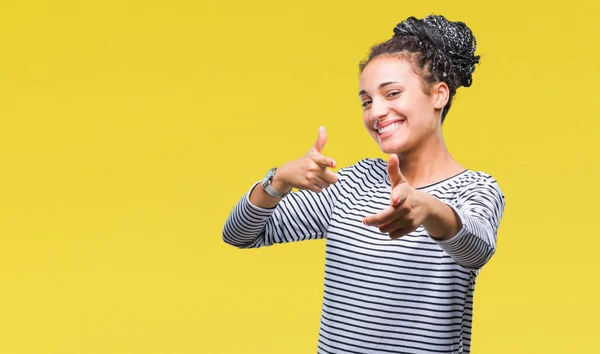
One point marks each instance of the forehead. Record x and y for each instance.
(386, 69)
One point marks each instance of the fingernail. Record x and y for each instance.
(396, 200)
(332, 164)
(364, 222)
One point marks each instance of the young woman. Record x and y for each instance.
(406, 237)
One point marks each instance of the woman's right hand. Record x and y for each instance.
(309, 172)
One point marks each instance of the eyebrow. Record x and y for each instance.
(382, 85)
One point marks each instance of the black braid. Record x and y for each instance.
(442, 50)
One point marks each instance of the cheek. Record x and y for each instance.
(405, 106)
(367, 120)
(419, 112)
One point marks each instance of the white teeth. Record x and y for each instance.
(390, 127)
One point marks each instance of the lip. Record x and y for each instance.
(378, 125)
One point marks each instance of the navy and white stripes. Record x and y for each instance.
(410, 295)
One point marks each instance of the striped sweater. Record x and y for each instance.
(409, 295)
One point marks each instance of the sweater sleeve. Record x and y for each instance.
(301, 215)
(480, 207)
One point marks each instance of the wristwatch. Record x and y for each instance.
(266, 184)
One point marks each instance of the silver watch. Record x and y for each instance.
(266, 184)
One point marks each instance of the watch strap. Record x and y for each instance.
(266, 185)
(272, 192)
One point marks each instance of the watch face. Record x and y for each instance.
(268, 177)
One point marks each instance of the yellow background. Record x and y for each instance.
(130, 128)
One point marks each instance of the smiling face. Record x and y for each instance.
(398, 114)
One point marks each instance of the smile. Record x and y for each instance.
(387, 127)
(390, 127)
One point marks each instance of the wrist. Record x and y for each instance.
(424, 203)
(278, 184)
(435, 215)
(272, 189)
(441, 221)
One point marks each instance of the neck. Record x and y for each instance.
(428, 163)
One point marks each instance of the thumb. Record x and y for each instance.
(321, 140)
(393, 168)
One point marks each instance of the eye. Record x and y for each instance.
(366, 104)
(393, 94)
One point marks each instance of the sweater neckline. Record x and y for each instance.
(428, 186)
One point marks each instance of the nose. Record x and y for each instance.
(379, 109)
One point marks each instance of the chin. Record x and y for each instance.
(393, 147)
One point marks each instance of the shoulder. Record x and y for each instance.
(479, 185)
(471, 177)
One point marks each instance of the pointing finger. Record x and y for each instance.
(324, 161)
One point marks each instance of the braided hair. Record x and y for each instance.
(439, 50)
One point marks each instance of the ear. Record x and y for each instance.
(440, 93)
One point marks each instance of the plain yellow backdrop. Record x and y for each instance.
(130, 128)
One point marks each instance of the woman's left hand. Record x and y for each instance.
(407, 209)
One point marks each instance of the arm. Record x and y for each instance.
(468, 230)
(259, 219)
(303, 215)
